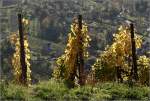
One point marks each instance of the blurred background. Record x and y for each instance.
(50, 22)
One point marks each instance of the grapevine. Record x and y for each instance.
(117, 54)
(16, 56)
(67, 63)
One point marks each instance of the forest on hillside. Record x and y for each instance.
(86, 50)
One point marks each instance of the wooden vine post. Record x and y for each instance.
(23, 78)
(134, 62)
(80, 52)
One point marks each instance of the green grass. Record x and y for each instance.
(57, 91)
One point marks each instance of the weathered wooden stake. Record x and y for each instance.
(23, 78)
(134, 62)
(80, 53)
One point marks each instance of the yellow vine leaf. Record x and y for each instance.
(16, 56)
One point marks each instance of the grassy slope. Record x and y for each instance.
(51, 90)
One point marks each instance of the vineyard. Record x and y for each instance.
(46, 58)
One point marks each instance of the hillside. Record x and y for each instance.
(50, 23)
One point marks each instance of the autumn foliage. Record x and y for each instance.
(115, 62)
(16, 64)
(67, 63)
